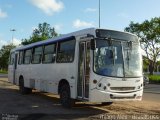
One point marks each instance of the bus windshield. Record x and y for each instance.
(132, 60)
(117, 59)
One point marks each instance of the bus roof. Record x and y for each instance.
(59, 38)
(63, 37)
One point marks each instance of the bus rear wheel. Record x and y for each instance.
(65, 98)
(22, 89)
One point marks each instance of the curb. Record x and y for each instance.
(3, 76)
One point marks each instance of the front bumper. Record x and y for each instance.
(103, 96)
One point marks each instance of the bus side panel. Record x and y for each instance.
(25, 70)
(48, 76)
(20, 72)
(67, 71)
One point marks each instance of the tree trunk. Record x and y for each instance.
(151, 67)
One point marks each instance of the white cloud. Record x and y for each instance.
(90, 10)
(58, 27)
(2, 42)
(78, 24)
(3, 14)
(16, 41)
(33, 28)
(48, 6)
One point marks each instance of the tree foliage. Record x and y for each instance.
(149, 32)
(43, 32)
(4, 55)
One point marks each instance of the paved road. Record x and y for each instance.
(42, 106)
(152, 88)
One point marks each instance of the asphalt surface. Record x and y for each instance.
(152, 88)
(45, 106)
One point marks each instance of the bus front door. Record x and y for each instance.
(83, 70)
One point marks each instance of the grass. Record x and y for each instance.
(3, 72)
(154, 78)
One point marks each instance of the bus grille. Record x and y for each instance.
(122, 88)
(131, 97)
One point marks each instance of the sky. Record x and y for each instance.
(70, 15)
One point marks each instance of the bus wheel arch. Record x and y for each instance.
(61, 83)
(65, 94)
(22, 88)
(20, 77)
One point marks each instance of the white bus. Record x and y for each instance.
(95, 65)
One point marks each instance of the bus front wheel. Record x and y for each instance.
(22, 88)
(65, 99)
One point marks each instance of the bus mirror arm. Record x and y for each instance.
(93, 44)
(110, 43)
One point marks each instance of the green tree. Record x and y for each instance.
(43, 32)
(149, 32)
(4, 55)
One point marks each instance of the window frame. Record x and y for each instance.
(20, 60)
(58, 49)
(33, 54)
(53, 53)
(27, 56)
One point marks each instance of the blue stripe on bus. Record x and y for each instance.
(46, 43)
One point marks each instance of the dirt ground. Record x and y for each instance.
(45, 106)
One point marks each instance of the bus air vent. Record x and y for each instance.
(122, 88)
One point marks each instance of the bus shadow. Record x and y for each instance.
(39, 105)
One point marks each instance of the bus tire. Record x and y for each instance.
(107, 103)
(65, 98)
(23, 90)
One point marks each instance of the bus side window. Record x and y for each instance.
(49, 53)
(65, 52)
(11, 61)
(20, 60)
(27, 56)
(37, 55)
